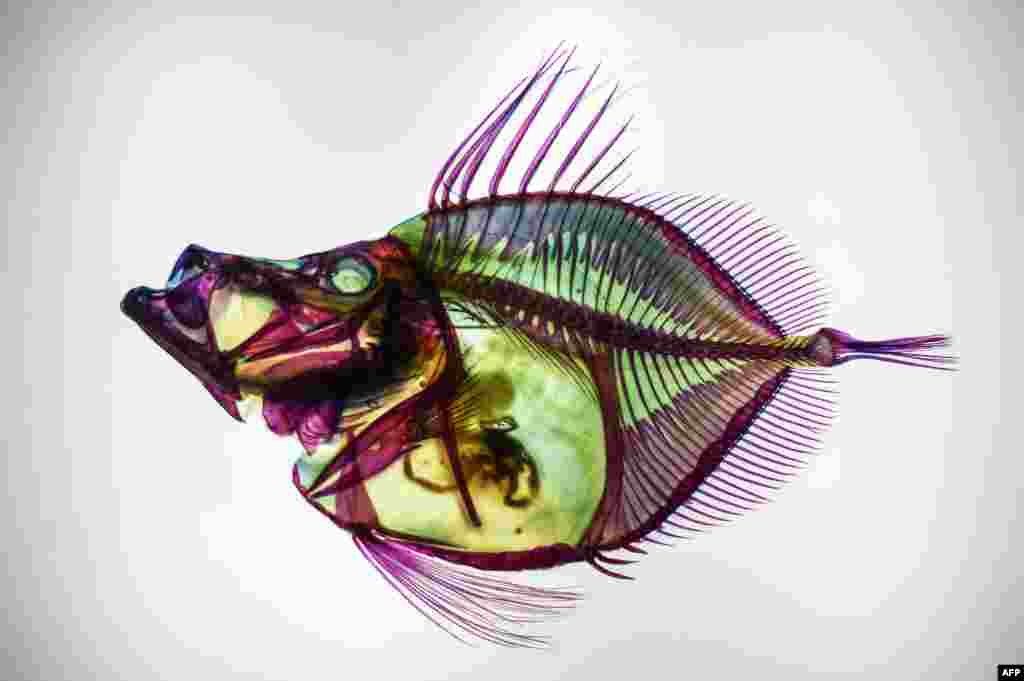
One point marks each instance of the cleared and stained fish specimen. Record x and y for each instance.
(526, 374)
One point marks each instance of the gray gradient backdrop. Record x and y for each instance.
(148, 536)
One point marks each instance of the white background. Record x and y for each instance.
(148, 536)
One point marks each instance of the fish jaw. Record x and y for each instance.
(242, 325)
(191, 344)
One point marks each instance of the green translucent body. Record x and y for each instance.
(582, 227)
(557, 425)
(559, 428)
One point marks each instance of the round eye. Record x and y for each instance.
(353, 275)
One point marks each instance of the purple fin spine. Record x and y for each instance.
(612, 573)
(432, 204)
(449, 182)
(488, 138)
(612, 561)
(513, 146)
(621, 162)
(580, 140)
(543, 151)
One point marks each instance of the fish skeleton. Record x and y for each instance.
(525, 379)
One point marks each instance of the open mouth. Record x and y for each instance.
(182, 330)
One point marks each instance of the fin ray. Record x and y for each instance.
(463, 601)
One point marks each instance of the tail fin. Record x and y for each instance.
(831, 347)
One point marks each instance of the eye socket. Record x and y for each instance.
(352, 275)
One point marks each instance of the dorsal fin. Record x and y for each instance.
(651, 254)
(460, 169)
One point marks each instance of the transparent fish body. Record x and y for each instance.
(523, 379)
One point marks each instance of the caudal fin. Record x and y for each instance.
(832, 347)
